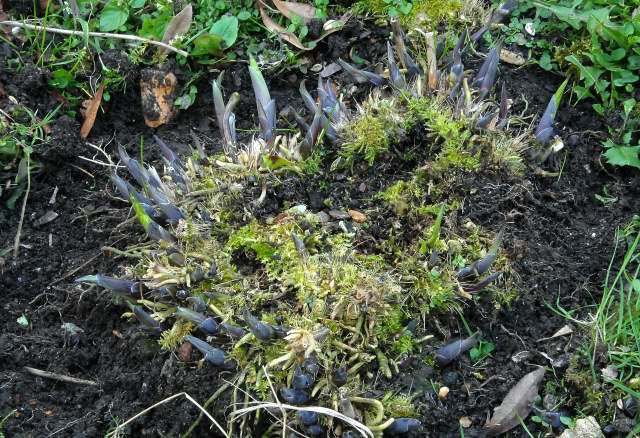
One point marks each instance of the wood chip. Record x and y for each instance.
(59, 377)
(93, 105)
(357, 216)
(512, 58)
(49, 216)
(339, 214)
(157, 89)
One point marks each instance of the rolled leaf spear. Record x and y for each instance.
(544, 131)
(266, 105)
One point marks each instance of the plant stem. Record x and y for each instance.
(16, 242)
(94, 34)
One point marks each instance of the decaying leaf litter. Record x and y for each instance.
(254, 238)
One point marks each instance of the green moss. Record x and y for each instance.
(369, 135)
(399, 405)
(412, 13)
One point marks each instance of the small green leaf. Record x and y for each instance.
(207, 44)
(545, 61)
(23, 321)
(244, 15)
(61, 78)
(112, 17)
(227, 29)
(137, 4)
(623, 156)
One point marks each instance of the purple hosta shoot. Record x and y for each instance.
(266, 105)
(218, 100)
(309, 102)
(413, 70)
(197, 304)
(171, 212)
(397, 79)
(486, 77)
(544, 131)
(233, 331)
(171, 157)
(294, 396)
(315, 430)
(450, 352)
(260, 330)
(135, 168)
(401, 426)
(456, 72)
(301, 248)
(146, 319)
(481, 266)
(308, 418)
(362, 76)
(503, 113)
(127, 191)
(312, 134)
(153, 230)
(213, 355)
(125, 287)
(498, 16)
(302, 379)
(205, 323)
(482, 283)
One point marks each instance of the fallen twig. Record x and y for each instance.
(59, 377)
(116, 431)
(94, 34)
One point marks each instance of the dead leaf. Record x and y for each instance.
(157, 89)
(178, 25)
(512, 58)
(92, 112)
(563, 331)
(329, 27)
(294, 9)
(516, 404)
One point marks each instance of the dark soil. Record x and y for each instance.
(558, 236)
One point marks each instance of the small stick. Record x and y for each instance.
(59, 377)
(16, 241)
(94, 34)
(117, 430)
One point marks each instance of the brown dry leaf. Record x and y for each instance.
(432, 62)
(516, 404)
(294, 9)
(157, 89)
(329, 27)
(178, 25)
(91, 112)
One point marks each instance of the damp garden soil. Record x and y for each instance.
(558, 238)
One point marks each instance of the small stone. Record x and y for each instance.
(49, 216)
(184, 352)
(584, 428)
(560, 363)
(573, 140)
(357, 216)
(339, 214)
(323, 217)
(450, 378)
(443, 393)
(362, 187)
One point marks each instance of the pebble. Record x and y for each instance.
(584, 428)
(357, 216)
(323, 217)
(451, 378)
(443, 393)
(339, 214)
